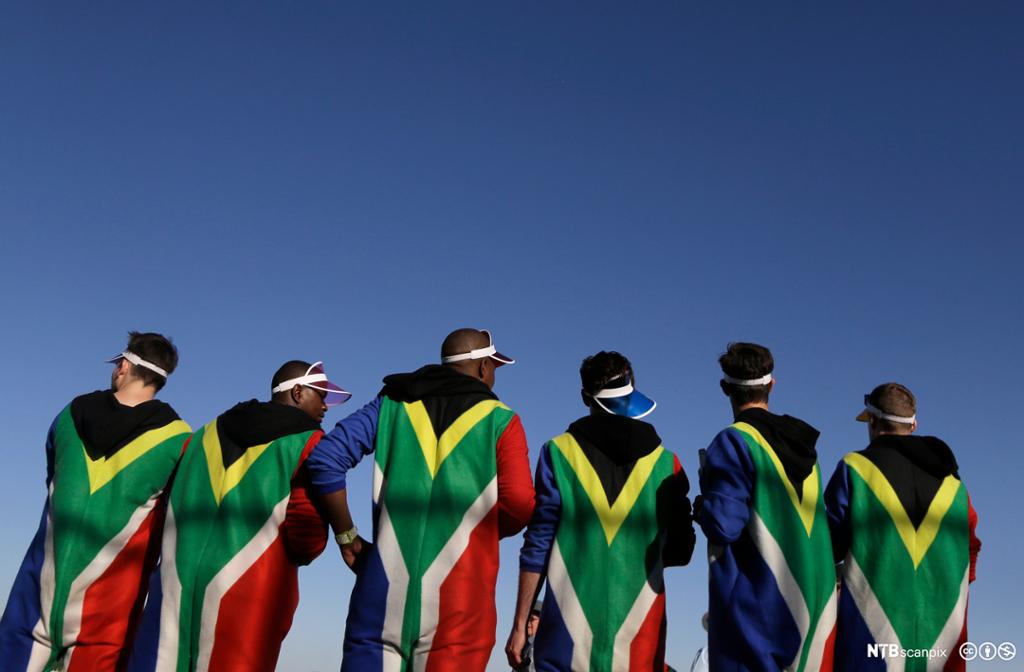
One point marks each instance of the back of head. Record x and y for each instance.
(598, 370)
(156, 349)
(287, 371)
(747, 361)
(463, 340)
(896, 400)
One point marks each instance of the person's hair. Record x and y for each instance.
(747, 361)
(894, 399)
(156, 349)
(290, 369)
(598, 370)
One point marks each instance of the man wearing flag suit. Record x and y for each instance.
(772, 597)
(903, 531)
(109, 457)
(451, 477)
(239, 525)
(612, 511)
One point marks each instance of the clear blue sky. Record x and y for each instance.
(340, 182)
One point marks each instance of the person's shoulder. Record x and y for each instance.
(730, 434)
(854, 455)
(88, 397)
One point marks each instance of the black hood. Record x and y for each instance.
(446, 394)
(915, 467)
(622, 440)
(105, 425)
(928, 453)
(433, 380)
(792, 439)
(252, 423)
(612, 445)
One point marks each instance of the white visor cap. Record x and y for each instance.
(747, 382)
(480, 353)
(316, 378)
(138, 361)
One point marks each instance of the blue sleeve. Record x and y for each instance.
(540, 534)
(837, 504)
(342, 448)
(726, 486)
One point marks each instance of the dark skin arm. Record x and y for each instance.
(335, 509)
(529, 587)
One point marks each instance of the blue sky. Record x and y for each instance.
(348, 183)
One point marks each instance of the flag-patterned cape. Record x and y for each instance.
(772, 581)
(903, 527)
(605, 506)
(228, 573)
(424, 597)
(76, 598)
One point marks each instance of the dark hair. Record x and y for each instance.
(747, 361)
(598, 370)
(156, 349)
(287, 371)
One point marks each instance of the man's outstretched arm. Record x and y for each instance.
(340, 450)
(335, 509)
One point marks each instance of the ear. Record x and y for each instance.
(771, 385)
(585, 397)
(296, 394)
(725, 388)
(913, 427)
(481, 368)
(125, 367)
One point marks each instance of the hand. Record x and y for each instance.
(352, 553)
(514, 647)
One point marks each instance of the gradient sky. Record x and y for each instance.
(343, 182)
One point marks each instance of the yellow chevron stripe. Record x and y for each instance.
(919, 540)
(104, 469)
(610, 515)
(436, 450)
(222, 480)
(806, 504)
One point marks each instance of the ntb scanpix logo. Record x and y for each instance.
(988, 651)
(968, 651)
(897, 651)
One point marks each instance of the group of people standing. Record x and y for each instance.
(161, 548)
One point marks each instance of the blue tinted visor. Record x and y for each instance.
(633, 404)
